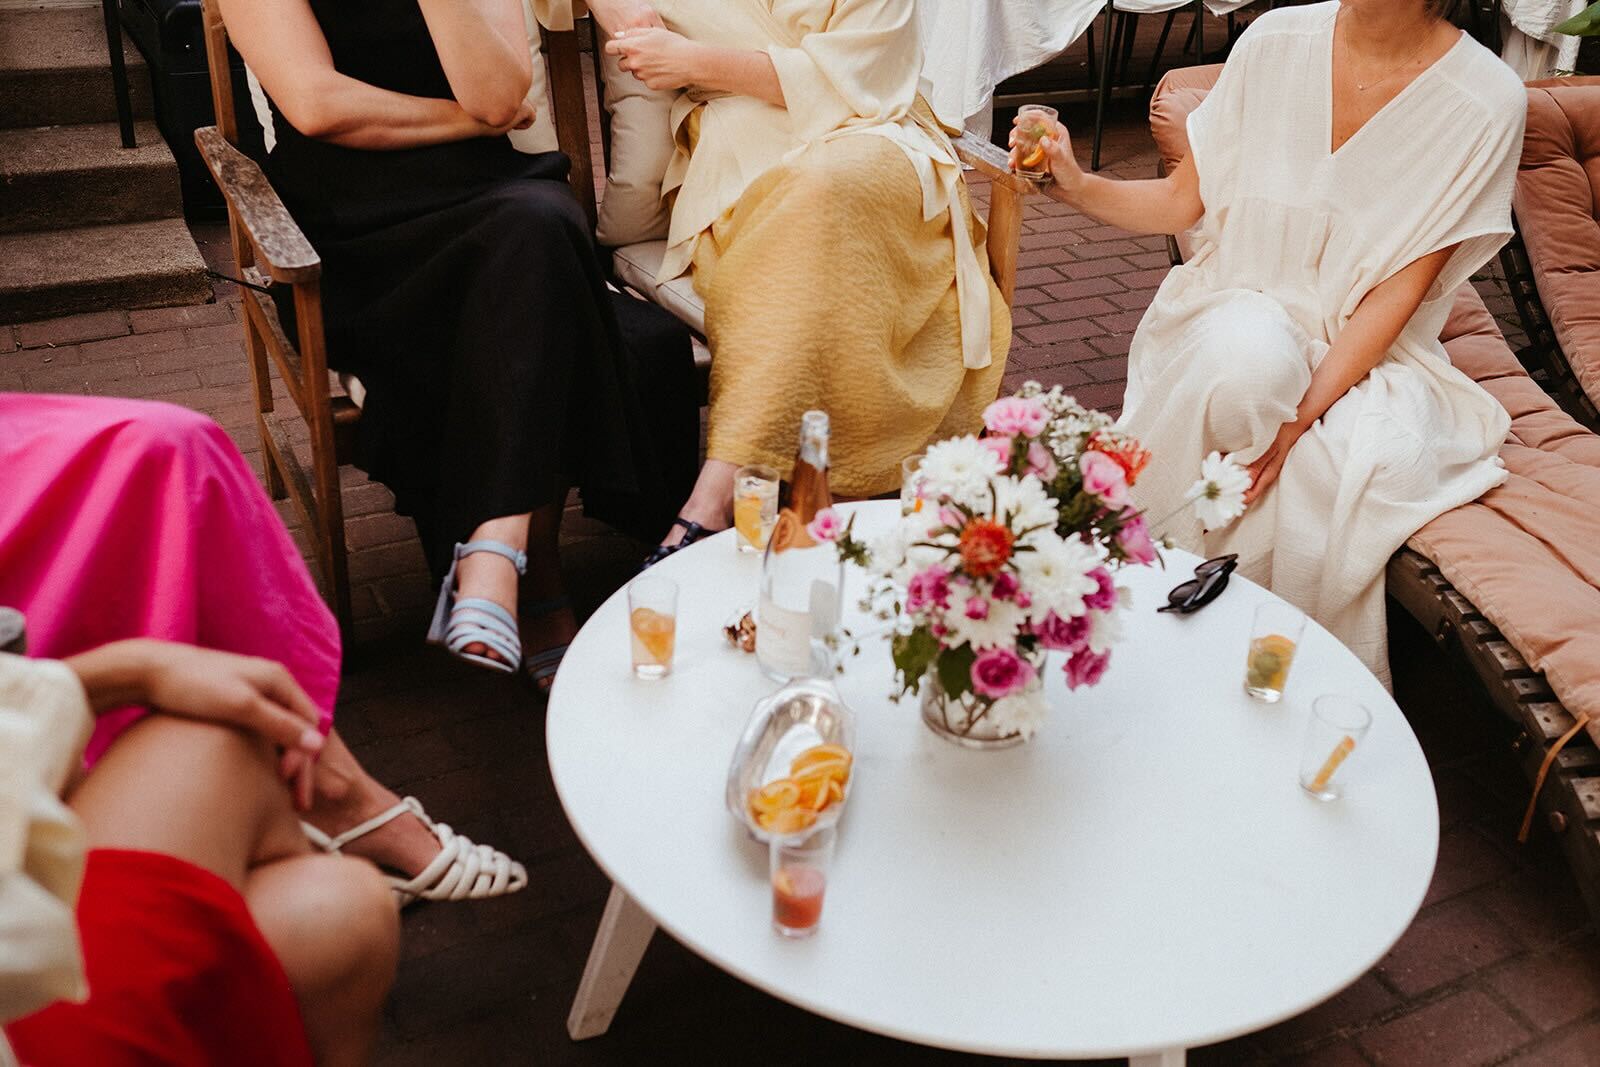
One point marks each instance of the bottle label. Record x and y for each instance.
(783, 638)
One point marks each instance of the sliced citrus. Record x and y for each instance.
(747, 520)
(654, 632)
(819, 754)
(836, 769)
(775, 796)
(791, 820)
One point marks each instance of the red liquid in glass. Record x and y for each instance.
(797, 897)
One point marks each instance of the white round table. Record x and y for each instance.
(1144, 877)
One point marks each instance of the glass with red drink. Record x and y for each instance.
(799, 880)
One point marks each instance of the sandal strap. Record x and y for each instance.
(474, 620)
(545, 663)
(336, 843)
(518, 558)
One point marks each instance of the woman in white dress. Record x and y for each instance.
(1351, 169)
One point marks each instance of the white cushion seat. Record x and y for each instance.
(636, 266)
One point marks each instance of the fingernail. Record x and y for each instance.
(311, 741)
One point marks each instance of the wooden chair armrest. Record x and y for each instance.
(282, 248)
(991, 161)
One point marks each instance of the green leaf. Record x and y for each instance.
(1585, 23)
(955, 671)
(913, 655)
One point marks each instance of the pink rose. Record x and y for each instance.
(825, 526)
(1133, 541)
(1005, 586)
(1012, 415)
(1041, 464)
(930, 589)
(1105, 597)
(1062, 635)
(1104, 477)
(977, 608)
(1000, 672)
(1086, 667)
(951, 517)
(1001, 447)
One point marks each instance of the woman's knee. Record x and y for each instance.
(1254, 359)
(332, 920)
(539, 211)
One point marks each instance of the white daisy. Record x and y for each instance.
(1026, 503)
(960, 468)
(1021, 713)
(1056, 576)
(1219, 494)
(1105, 630)
(997, 630)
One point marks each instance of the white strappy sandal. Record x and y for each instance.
(463, 870)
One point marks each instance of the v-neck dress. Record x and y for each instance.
(1293, 237)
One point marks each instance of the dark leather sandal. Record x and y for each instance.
(692, 532)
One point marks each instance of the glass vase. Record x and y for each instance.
(963, 720)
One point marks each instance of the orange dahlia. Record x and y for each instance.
(985, 547)
(1127, 452)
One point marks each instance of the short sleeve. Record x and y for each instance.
(862, 67)
(1473, 209)
(1216, 128)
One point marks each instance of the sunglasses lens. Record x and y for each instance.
(1210, 589)
(1179, 598)
(1212, 566)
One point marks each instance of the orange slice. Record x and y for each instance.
(836, 769)
(655, 632)
(775, 796)
(1034, 159)
(819, 754)
(790, 820)
(747, 519)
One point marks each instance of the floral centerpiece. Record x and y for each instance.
(1010, 555)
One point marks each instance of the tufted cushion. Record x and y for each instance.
(641, 147)
(1557, 203)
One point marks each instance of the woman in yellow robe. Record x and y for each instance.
(813, 197)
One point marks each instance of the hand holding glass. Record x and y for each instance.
(1034, 123)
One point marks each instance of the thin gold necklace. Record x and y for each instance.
(1403, 65)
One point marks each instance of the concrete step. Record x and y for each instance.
(54, 70)
(89, 268)
(55, 177)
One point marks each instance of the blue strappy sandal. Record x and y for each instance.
(476, 621)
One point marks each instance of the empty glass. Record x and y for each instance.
(652, 624)
(1273, 640)
(799, 880)
(755, 506)
(1338, 724)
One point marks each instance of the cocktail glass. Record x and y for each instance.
(1338, 724)
(1273, 640)
(755, 506)
(799, 880)
(1037, 123)
(652, 624)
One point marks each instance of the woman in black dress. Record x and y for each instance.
(462, 286)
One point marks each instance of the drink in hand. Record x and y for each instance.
(1037, 123)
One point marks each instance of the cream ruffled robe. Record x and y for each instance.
(1292, 239)
(848, 68)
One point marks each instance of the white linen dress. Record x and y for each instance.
(1292, 239)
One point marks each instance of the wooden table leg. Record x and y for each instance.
(1168, 1057)
(619, 945)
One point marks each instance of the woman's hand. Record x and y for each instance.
(1057, 147)
(1264, 471)
(615, 16)
(658, 57)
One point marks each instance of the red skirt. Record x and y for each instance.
(178, 974)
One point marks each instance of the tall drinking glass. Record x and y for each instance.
(652, 624)
(799, 880)
(1273, 640)
(1338, 724)
(755, 506)
(1037, 123)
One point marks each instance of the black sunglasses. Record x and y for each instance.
(1210, 579)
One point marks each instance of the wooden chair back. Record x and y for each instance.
(270, 250)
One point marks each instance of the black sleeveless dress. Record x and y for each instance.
(462, 286)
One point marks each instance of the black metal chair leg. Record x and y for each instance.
(1130, 30)
(1094, 60)
(1161, 47)
(1200, 28)
(1105, 88)
(119, 71)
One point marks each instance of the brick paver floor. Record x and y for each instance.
(1501, 966)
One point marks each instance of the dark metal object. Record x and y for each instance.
(119, 71)
(13, 632)
(1542, 356)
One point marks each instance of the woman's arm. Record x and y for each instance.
(666, 60)
(483, 47)
(1360, 346)
(283, 44)
(1158, 205)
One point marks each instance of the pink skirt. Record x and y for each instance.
(126, 518)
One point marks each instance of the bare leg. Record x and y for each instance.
(209, 795)
(346, 795)
(710, 502)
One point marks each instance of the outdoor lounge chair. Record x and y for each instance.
(1509, 585)
(1554, 263)
(270, 249)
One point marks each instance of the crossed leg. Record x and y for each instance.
(211, 796)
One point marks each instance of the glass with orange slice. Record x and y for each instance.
(1273, 641)
(1034, 123)
(755, 506)
(652, 624)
